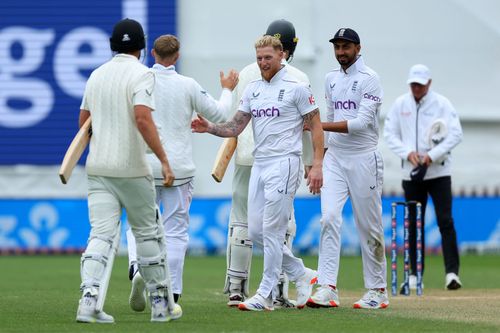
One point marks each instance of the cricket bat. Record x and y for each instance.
(223, 158)
(75, 151)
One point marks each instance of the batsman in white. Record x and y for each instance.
(278, 105)
(422, 128)
(177, 97)
(239, 246)
(353, 168)
(119, 96)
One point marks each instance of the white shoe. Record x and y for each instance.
(257, 303)
(373, 299)
(324, 297)
(304, 286)
(137, 299)
(87, 314)
(452, 281)
(176, 312)
(159, 309)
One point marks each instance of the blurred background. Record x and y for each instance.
(49, 48)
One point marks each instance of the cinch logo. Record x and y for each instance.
(269, 112)
(372, 97)
(345, 105)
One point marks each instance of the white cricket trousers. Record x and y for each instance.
(106, 198)
(359, 176)
(175, 202)
(272, 187)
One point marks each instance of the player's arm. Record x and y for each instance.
(228, 129)
(315, 175)
(84, 115)
(147, 128)
(338, 126)
(212, 109)
(367, 114)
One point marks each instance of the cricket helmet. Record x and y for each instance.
(127, 36)
(285, 32)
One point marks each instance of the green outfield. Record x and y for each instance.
(40, 294)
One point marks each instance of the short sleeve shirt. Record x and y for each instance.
(277, 108)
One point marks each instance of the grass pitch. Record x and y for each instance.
(40, 294)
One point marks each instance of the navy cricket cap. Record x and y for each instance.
(346, 34)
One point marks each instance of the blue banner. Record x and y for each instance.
(47, 51)
(62, 225)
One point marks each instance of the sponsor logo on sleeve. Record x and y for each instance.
(372, 97)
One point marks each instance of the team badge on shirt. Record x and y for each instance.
(281, 94)
(354, 86)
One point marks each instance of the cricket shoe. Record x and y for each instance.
(304, 286)
(87, 313)
(373, 299)
(176, 313)
(137, 298)
(235, 299)
(324, 297)
(452, 281)
(256, 303)
(283, 303)
(159, 308)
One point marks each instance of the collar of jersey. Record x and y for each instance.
(125, 57)
(359, 64)
(278, 76)
(162, 68)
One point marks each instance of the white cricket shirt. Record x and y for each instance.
(245, 147)
(177, 98)
(117, 148)
(356, 96)
(277, 108)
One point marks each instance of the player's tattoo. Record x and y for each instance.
(233, 127)
(309, 117)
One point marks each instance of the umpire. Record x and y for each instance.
(422, 128)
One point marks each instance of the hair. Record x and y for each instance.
(166, 46)
(267, 40)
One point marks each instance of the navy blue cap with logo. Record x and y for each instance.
(346, 34)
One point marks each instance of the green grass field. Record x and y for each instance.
(40, 294)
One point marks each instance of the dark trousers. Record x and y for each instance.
(440, 191)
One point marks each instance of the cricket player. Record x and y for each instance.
(352, 167)
(177, 98)
(239, 248)
(278, 105)
(119, 96)
(422, 128)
